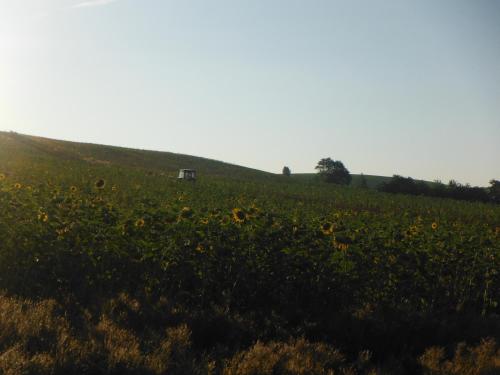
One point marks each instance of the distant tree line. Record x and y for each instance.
(454, 190)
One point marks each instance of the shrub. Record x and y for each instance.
(295, 358)
(482, 359)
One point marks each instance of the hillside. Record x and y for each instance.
(18, 147)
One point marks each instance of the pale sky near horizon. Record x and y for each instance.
(388, 87)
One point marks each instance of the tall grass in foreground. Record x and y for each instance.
(39, 338)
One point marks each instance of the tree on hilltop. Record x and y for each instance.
(333, 171)
(494, 191)
(286, 171)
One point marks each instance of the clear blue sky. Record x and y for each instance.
(393, 86)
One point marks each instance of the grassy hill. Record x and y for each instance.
(110, 265)
(26, 147)
(19, 147)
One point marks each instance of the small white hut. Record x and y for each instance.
(187, 174)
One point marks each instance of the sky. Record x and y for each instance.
(388, 87)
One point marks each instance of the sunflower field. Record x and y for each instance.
(109, 267)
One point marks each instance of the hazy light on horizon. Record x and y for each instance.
(394, 87)
(92, 3)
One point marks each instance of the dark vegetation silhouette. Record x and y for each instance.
(286, 171)
(453, 190)
(333, 171)
(494, 191)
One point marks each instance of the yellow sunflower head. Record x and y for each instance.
(327, 228)
(2, 177)
(342, 246)
(100, 184)
(434, 226)
(253, 211)
(186, 213)
(73, 189)
(238, 215)
(42, 216)
(17, 185)
(140, 223)
(413, 230)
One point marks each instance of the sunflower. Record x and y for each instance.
(2, 176)
(342, 246)
(186, 213)
(413, 230)
(73, 189)
(200, 248)
(204, 221)
(17, 185)
(238, 215)
(42, 216)
(434, 226)
(100, 184)
(140, 223)
(327, 228)
(253, 211)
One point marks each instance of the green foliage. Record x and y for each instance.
(373, 182)
(362, 183)
(245, 255)
(286, 171)
(454, 190)
(333, 171)
(494, 191)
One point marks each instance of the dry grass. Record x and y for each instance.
(35, 338)
(173, 355)
(120, 345)
(38, 338)
(483, 359)
(296, 358)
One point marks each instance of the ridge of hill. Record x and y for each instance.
(27, 148)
